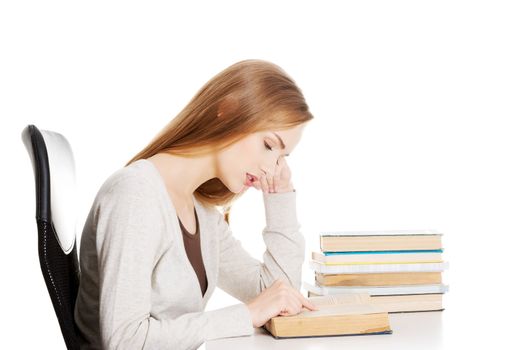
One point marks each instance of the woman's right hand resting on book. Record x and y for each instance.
(278, 299)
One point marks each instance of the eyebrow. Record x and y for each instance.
(282, 145)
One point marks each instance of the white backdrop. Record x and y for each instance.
(418, 125)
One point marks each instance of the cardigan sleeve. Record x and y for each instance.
(243, 276)
(130, 240)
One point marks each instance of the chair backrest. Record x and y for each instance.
(54, 172)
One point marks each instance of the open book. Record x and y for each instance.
(343, 314)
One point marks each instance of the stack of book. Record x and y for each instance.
(400, 270)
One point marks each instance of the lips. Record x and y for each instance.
(250, 179)
(253, 178)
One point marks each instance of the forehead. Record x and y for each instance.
(291, 135)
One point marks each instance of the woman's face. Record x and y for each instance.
(255, 154)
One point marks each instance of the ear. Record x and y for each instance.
(227, 106)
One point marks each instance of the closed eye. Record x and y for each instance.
(267, 146)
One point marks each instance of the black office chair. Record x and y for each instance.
(54, 171)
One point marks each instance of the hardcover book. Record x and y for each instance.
(352, 314)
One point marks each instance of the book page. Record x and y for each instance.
(341, 304)
(338, 299)
(347, 309)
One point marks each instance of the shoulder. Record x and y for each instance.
(130, 197)
(130, 181)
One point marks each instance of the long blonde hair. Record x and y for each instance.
(251, 95)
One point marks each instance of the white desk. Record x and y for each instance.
(421, 330)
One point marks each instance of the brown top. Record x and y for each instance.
(194, 253)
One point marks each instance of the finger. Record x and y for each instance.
(269, 182)
(285, 172)
(285, 310)
(263, 183)
(311, 306)
(278, 171)
(269, 178)
(295, 301)
(297, 307)
(304, 301)
(308, 304)
(292, 307)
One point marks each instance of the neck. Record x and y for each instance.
(182, 175)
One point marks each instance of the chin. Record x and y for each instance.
(233, 184)
(233, 188)
(242, 189)
(239, 186)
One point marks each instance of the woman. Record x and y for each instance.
(154, 246)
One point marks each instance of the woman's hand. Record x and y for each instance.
(280, 181)
(278, 299)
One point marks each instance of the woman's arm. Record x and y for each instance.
(243, 276)
(130, 240)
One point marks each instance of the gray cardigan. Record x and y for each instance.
(138, 289)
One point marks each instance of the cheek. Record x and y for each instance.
(243, 149)
(245, 156)
(237, 159)
(252, 148)
(253, 154)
